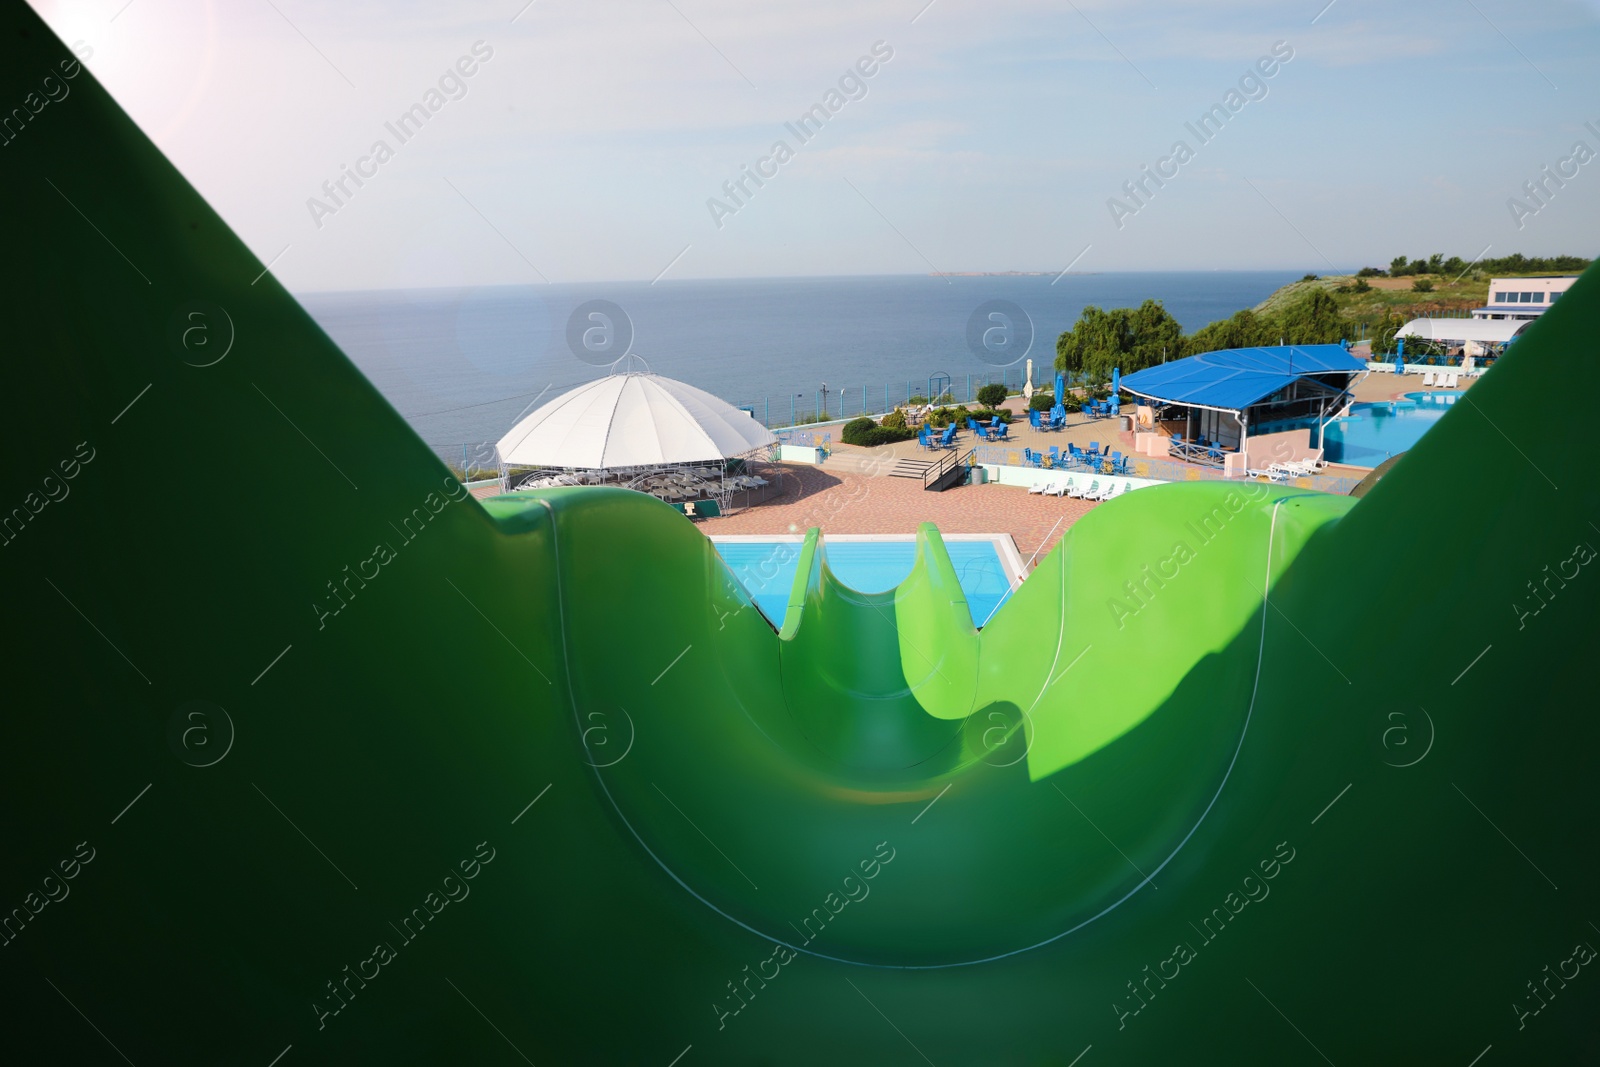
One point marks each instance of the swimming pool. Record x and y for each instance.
(987, 566)
(1374, 432)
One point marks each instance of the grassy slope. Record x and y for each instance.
(1449, 294)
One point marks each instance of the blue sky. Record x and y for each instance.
(587, 147)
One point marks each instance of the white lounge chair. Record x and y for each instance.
(1078, 492)
(1038, 488)
(1427, 378)
(1058, 487)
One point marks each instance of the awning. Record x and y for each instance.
(1232, 379)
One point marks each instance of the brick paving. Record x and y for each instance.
(842, 501)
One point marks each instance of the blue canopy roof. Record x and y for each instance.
(1235, 378)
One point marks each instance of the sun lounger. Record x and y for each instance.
(1038, 487)
(1058, 487)
(1078, 492)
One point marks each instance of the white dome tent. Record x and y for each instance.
(636, 429)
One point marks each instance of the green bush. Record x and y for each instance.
(945, 416)
(985, 414)
(894, 420)
(1422, 285)
(1042, 401)
(869, 434)
(992, 396)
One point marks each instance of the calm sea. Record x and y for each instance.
(462, 365)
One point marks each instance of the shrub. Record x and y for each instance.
(1422, 285)
(868, 434)
(895, 420)
(945, 416)
(992, 396)
(918, 399)
(1042, 401)
(1309, 278)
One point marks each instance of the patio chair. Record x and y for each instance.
(998, 431)
(1033, 418)
(1056, 457)
(1038, 487)
(1427, 378)
(1059, 487)
(1103, 494)
(1078, 492)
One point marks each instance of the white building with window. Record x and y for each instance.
(1522, 298)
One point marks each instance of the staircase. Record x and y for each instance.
(949, 470)
(906, 467)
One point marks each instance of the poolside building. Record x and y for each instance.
(1243, 408)
(1522, 299)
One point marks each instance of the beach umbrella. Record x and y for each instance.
(1116, 383)
(1061, 386)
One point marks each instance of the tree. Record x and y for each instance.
(1245, 329)
(1155, 335)
(1095, 341)
(992, 395)
(1314, 320)
(1435, 263)
(1126, 338)
(1383, 332)
(1397, 266)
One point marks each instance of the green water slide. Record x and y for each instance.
(310, 757)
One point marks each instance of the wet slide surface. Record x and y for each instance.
(317, 758)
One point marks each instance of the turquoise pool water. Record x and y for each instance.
(767, 569)
(1374, 432)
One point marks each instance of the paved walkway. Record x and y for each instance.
(841, 501)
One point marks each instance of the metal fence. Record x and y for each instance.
(1168, 471)
(849, 402)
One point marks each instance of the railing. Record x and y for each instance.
(1166, 471)
(944, 465)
